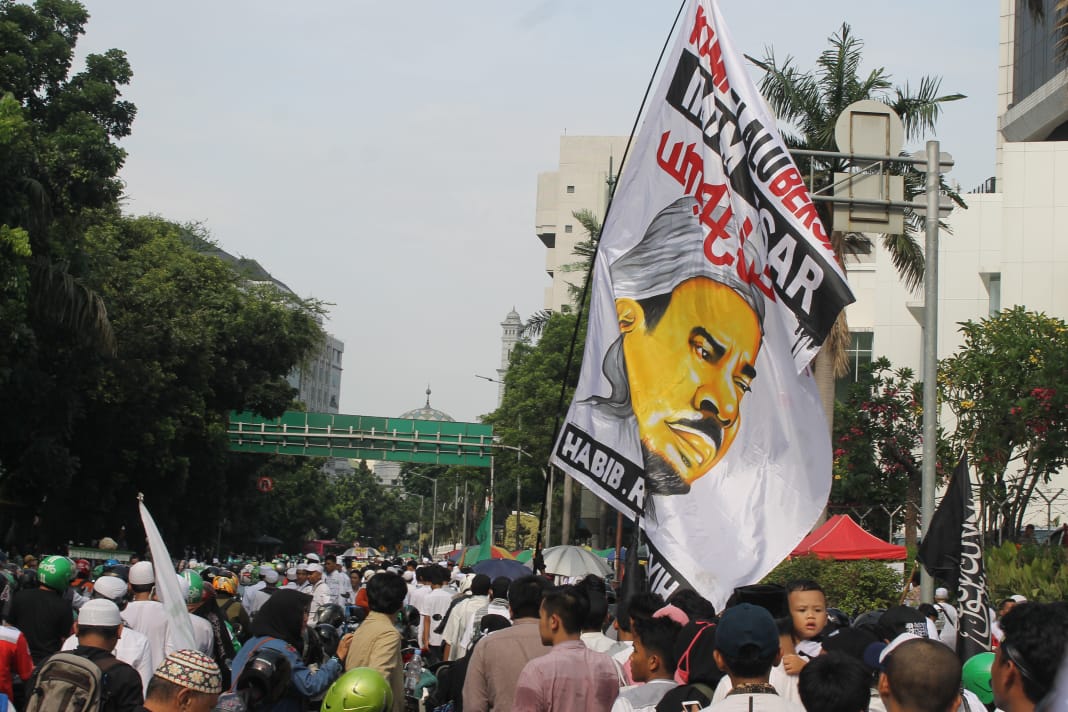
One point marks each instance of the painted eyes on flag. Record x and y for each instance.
(711, 351)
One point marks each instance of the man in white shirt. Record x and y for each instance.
(133, 647)
(146, 615)
(747, 647)
(462, 615)
(434, 607)
(338, 581)
(320, 591)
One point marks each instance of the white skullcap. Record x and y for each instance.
(1019, 598)
(101, 612)
(408, 576)
(895, 643)
(315, 567)
(301, 567)
(313, 557)
(291, 573)
(141, 574)
(672, 251)
(110, 587)
(941, 592)
(270, 576)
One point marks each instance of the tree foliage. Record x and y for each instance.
(878, 436)
(533, 405)
(193, 343)
(1008, 389)
(851, 586)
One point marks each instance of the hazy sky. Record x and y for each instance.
(383, 156)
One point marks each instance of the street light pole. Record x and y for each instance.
(433, 513)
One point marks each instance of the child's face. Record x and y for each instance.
(808, 609)
(639, 662)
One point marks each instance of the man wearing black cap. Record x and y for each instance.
(747, 647)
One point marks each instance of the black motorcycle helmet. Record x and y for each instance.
(330, 614)
(266, 675)
(328, 639)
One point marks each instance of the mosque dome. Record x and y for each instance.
(426, 412)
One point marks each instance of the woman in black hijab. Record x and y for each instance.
(278, 625)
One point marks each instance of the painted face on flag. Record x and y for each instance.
(689, 364)
(690, 332)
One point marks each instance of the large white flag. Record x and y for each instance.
(713, 288)
(167, 588)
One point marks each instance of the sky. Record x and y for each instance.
(383, 156)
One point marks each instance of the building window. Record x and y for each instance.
(567, 228)
(993, 288)
(860, 355)
(570, 189)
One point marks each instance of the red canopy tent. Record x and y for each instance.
(843, 539)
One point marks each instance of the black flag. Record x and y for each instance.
(952, 552)
(940, 550)
(633, 573)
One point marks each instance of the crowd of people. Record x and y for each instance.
(290, 636)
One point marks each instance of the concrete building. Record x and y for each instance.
(581, 182)
(1010, 247)
(319, 380)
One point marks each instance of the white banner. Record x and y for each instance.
(713, 287)
(167, 588)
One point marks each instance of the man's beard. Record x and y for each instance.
(661, 477)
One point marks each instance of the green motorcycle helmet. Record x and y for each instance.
(975, 676)
(56, 572)
(195, 592)
(359, 690)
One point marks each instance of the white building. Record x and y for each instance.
(1010, 247)
(319, 380)
(581, 182)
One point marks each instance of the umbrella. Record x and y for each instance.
(509, 568)
(470, 556)
(524, 555)
(569, 560)
(265, 540)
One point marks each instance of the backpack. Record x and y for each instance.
(66, 682)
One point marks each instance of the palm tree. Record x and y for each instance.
(584, 251)
(809, 104)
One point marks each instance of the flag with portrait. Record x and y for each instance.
(714, 285)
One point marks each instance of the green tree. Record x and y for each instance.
(193, 343)
(531, 406)
(809, 102)
(1008, 389)
(877, 438)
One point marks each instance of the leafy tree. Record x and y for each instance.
(877, 439)
(810, 103)
(369, 512)
(193, 343)
(531, 407)
(1008, 389)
